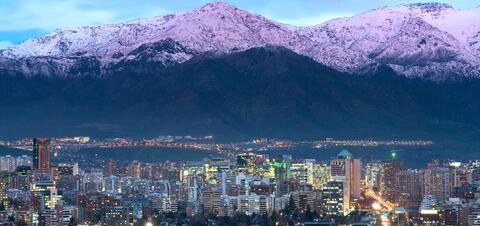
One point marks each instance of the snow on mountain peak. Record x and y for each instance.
(216, 26)
(218, 5)
(414, 38)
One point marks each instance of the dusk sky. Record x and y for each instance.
(24, 19)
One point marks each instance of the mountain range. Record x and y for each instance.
(427, 40)
(408, 71)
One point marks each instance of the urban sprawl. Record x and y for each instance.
(241, 186)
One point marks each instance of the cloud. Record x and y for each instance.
(5, 44)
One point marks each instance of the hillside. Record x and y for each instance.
(268, 91)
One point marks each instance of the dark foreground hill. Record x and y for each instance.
(270, 92)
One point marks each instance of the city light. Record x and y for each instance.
(230, 183)
(376, 206)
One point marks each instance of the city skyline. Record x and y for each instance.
(238, 185)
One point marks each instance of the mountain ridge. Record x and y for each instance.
(440, 51)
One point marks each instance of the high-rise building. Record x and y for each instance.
(459, 175)
(438, 182)
(134, 169)
(41, 153)
(210, 199)
(21, 179)
(246, 163)
(346, 168)
(110, 168)
(334, 202)
(410, 188)
(321, 174)
(373, 172)
(299, 172)
(45, 195)
(282, 175)
(388, 184)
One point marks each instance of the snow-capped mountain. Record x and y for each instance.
(417, 40)
(214, 27)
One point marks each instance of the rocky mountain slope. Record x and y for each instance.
(268, 91)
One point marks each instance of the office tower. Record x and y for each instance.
(459, 175)
(282, 170)
(193, 198)
(334, 201)
(246, 163)
(410, 188)
(321, 174)
(299, 172)
(134, 169)
(215, 167)
(110, 168)
(41, 153)
(373, 172)
(45, 195)
(391, 169)
(346, 168)
(309, 166)
(21, 179)
(438, 182)
(210, 200)
(282, 175)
